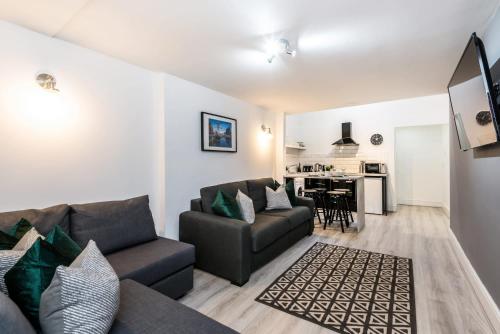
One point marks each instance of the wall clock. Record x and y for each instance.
(376, 139)
(483, 118)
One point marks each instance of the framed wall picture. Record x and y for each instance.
(218, 133)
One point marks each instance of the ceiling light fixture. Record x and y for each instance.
(277, 47)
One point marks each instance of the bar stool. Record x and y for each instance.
(321, 198)
(312, 193)
(335, 209)
(346, 201)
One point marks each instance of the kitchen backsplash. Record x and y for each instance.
(347, 157)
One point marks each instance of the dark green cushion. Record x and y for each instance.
(226, 206)
(20, 229)
(63, 243)
(31, 275)
(7, 241)
(290, 191)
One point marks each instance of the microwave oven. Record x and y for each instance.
(375, 168)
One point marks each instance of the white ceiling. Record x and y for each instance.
(349, 52)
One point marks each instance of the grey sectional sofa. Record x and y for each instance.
(232, 248)
(152, 269)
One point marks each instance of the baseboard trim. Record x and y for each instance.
(417, 202)
(489, 306)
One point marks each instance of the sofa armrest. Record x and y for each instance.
(306, 201)
(196, 205)
(223, 245)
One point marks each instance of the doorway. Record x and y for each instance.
(422, 165)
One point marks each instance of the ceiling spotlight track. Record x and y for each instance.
(277, 47)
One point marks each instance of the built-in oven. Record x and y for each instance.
(375, 168)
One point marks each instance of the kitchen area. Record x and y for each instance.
(342, 168)
(382, 156)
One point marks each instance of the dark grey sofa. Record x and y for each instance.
(232, 248)
(142, 311)
(125, 233)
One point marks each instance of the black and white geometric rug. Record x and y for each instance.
(348, 291)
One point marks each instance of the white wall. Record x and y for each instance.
(114, 131)
(421, 159)
(93, 141)
(187, 167)
(320, 129)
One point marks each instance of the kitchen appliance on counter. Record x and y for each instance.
(319, 167)
(307, 168)
(375, 168)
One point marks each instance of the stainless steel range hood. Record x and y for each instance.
(346, 139)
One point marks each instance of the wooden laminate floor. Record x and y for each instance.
(445, 300)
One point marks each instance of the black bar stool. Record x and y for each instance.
(312, 193)
(335, 209)
(346, 201)
(321, 198)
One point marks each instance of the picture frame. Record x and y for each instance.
(218, 133)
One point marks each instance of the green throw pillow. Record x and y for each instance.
(226, 206)
(20, 229)
(9, 239)
(290, 191)
(31, 275)
(276, 185)
(7, 242)
(63, 243)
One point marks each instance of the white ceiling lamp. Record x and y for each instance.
(276, 47)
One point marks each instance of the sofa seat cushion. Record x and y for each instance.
(143, 310)
(208, 194)
(267, 229)
(113, 225)
(296, 216)
(257, 192)
(151, 262)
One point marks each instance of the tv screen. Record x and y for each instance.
(472, 98)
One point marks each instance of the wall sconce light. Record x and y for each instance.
(47, 81)
(266, 130)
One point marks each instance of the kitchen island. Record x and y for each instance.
(355, 183)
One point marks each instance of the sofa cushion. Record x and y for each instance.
(12, 320)
(226, 206)
(231, 189)
(267, 229)
(152, 261)
(296, 216)
(82, 298)
(31, 275)
(113, 225)
(143, 310)
(43, 220)
(257, 192)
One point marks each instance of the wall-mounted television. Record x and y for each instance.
(473, 100)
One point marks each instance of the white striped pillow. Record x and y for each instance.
(277, 199)
(82, 298)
